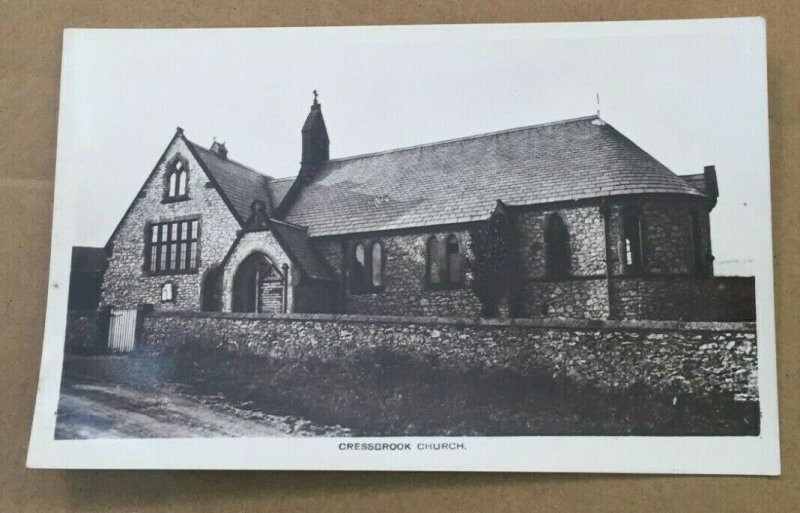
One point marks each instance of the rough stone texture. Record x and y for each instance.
(666, 357)
(666, 227)
(256, 242)
(405, 291)
(585, 294)
(125, 284)
(566, 299)
(667, 287)
(673, 298)
(586, 237)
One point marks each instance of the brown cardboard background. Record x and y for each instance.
(30, 50)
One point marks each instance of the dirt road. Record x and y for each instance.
(105, 410)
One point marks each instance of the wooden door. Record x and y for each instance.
(122, 330)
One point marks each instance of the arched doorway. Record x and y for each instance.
(258, 286)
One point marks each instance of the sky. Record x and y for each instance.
(690, 93)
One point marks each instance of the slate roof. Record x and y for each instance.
(278, 189)
(89, 260)
(697, 181)
(460, 180)
(294, 240)
(240, 184)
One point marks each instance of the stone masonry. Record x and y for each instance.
(666, 357)
(405, 291)
(532, 182)
(257, 242)
(667, 286)
(585, 293)
(125, 283)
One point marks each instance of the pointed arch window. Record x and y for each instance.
(453, 252)
(558, 255)
(358, 268)
(377, 265)
(177, 181)
(434, 262)
(443, 267)
(632, 243)
(367, 267)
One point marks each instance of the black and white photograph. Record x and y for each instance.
(523, 247)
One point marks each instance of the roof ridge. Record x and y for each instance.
(284, 178)
(467, 137)
(245, 166)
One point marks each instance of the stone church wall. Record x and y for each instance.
(667, 287)
(405, 291)
(667, 240)
(585, 293)
(670, 298)
(125, 283)
(566, 299)
(586, 236)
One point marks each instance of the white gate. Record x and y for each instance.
(122, 330)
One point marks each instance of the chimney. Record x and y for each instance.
(712, 187)
(219, 149)
(315, 141)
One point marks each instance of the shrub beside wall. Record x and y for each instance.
(83, 334)
(698, 358)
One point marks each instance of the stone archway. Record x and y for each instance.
(259, 286)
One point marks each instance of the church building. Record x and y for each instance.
(568, 219)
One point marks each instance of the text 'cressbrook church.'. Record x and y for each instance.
(561, 220)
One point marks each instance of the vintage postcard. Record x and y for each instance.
(525, 247)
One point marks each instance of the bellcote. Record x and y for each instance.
(315, 140)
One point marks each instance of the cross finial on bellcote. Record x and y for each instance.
(315, 96)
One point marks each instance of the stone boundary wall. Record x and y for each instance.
(666, 357)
